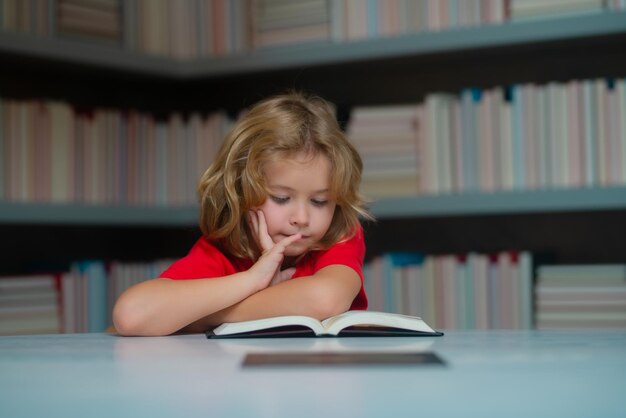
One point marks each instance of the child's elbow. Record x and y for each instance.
(126, 319)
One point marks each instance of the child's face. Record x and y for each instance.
(298, 200)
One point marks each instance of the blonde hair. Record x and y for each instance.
(278, 127)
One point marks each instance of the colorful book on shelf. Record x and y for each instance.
(348, 324)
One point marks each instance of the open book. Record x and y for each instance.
(347, 324)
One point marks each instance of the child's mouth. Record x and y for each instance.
(303, 237)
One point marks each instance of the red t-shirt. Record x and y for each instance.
(207, 261)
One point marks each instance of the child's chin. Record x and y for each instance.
(295, 251)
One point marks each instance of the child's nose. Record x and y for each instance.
(300, 216)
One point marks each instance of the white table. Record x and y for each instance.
(488, 374)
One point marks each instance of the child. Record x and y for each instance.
(279, 202)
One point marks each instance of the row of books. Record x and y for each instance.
(51, 153)
(180, 29)
(79, 300)
(521, 137)
(354, 20)
(581, 296)
(473, 291)
(33, 17)
(89, 19)
(89, 291)
(187, 29)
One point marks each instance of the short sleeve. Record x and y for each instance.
(350, 253)
(203, 261)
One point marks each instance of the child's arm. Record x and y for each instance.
(164, 306)
(329, 292)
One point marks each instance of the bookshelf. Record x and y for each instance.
(97, 215)
(101, 56)
(405, 67)
(564, 225)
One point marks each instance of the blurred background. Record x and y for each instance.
(493, 136)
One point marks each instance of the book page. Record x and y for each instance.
(265, 323)
(335, 324)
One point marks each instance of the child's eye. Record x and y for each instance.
(279, 199)
(319, 203)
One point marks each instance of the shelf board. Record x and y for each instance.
(500, 203)
(509, 34)
(96, 54)
(71, 214)
(412, 45)
(505, 203)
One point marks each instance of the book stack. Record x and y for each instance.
(29, 305)
(96, 19)
(525, 9)
(53, 153)
(473, 291)
(581, 296)
(387, 139)
(279, 22)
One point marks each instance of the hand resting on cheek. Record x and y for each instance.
(267, 268)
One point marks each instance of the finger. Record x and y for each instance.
(253, 223)
(283, 275)
(279, 248)
(287, 273)
(287, 241)
(263, 234)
